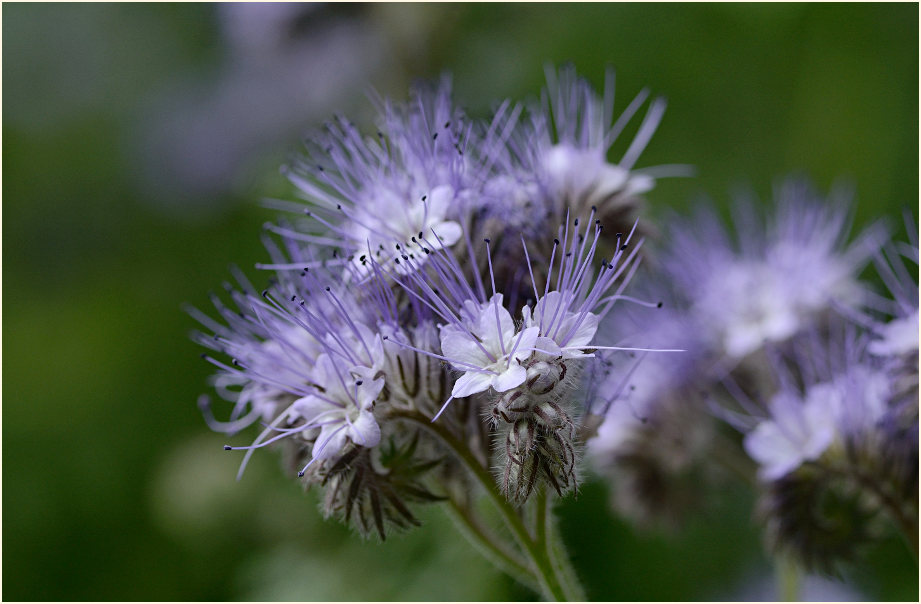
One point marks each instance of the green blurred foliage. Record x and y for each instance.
(115, 490)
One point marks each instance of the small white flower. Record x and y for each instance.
(745, 305)
(392, 217)
(342, 412)
(562, 331)
(798, 431)
(487, 348)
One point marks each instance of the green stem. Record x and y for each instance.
(551, 541)
(543, 568)
(788, 579)
(477, 534)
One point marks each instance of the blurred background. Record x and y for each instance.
(138, 140)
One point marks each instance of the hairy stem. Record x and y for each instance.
(479, 536)
(544, 570)
(550, 540)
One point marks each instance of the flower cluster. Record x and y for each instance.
(816, 373)
(422, 301)
(446, 317)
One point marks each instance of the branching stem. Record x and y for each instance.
(548, 572)
(476, 532)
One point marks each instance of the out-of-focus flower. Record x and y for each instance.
(830, 465)
(802, 427)
(779, 278)
(653, 440)
(281, 68)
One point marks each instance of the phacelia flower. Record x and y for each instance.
(383, 315)
(487, 348)
(844, 398)
(343, 412)
(828, 461)
(563, 149)
(778, 279)
(308, 371)
(420, 175)
(652, 437)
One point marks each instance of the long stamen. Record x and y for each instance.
(530, 270)
(494, 301)
(443, 407)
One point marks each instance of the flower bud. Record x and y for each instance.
(539, 448)
(544, 376)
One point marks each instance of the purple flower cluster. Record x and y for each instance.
(439, 268)
(816, 373)
(445, 295)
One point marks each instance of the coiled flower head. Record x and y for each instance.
(826, 452)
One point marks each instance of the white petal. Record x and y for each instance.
(460, 348)
(583, 334)
(546, 310)
(558, 162)
(448, 233)
(514, 376)
(471, 383)
(368, 391)
(527, 319)
(487, 327)
(640, 183)
(330, 442)
(371, 341)
(771, 448)
(312, 408)
(548, 346)
(526, 344)
(899, 336)
(439, 203)
(362, 372)
(611, 179)
(324, 370)
(365, 431)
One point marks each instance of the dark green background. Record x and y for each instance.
(113, 488)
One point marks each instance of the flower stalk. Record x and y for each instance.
(552, 573)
